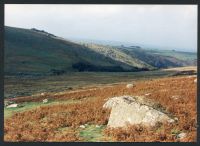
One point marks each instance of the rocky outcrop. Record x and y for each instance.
(134, 110)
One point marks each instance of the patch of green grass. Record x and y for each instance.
(31, 105)
(175, 132)
(91, 133)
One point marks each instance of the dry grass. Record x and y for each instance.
(43, 124)
(182, 68)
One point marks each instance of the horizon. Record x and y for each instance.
(165, 27)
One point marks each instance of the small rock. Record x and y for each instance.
(45, 101)
(42, 94)
(175, 97)
(147, 94)
(12, 105)
(181, 135)
(195, 81)
(176, 119)
(171, 121)
(129, 86)
(7, 103)
(82, 126)
(97, 126)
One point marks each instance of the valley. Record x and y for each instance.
(55, 90)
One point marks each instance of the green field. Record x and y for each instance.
(32, 105)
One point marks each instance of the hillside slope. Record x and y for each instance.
(161, 59)
(30, 51)
(118, 55)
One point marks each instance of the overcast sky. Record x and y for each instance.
(170, 26)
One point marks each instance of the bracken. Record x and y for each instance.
(44, 123)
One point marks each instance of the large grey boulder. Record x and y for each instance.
(134, 110)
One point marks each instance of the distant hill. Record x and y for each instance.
(119, 55)
(162, 58)
(32, 51)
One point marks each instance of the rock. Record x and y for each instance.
(82, 126)
(42, 94)
(45, 101)
(97, 126)
(7, 103)
(129, 86)
(181, 135)
(195, 81)
(112, 102)
(175, 97)
(12, 105)
(176, 119)
(147, 94)
(171, 120)
(134, 110)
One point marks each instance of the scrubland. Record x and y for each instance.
(62, 121)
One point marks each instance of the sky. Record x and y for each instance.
(162, 26)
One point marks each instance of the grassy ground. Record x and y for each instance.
(92, 133)
(187, 68)
(8, 112)
(24, 86)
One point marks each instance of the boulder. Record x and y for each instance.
(12, 105)
(112, 102)
(134, 110)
